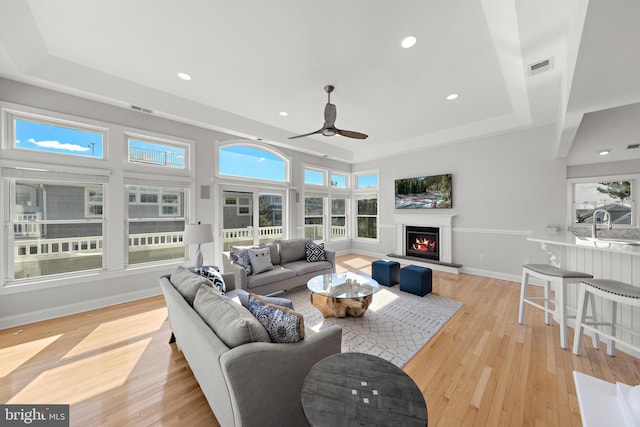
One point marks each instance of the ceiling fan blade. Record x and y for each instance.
(329, 115)
(307, 134)
(351, 134)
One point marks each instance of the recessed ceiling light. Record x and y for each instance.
(284, 113)
(452, 97)
(184, 76)
(604, 152)
(408, 42)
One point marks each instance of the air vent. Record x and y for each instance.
(540, 66)
(141, 109)
(632, 146)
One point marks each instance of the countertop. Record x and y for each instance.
(569, 239)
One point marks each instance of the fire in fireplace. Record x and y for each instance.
(422, 242)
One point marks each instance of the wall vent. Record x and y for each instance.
(141, 109)
(632, 146)
(540, 66)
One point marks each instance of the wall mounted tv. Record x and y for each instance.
(424, 192)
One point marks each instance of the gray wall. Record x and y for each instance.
(504, 186)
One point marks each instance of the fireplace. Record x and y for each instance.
(423, 242)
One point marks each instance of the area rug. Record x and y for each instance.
(396, 325)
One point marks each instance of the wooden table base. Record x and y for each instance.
(340, 307)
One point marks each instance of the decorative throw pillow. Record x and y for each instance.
(260, 260)
(315, 252)
(231, 322)
(214, 276)
(283, 324)
(241, 257)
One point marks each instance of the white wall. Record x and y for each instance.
(504, 186)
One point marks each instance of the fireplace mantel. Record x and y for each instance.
(441, 220)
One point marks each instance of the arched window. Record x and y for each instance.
(248, 161)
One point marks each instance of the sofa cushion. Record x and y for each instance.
(260, 260)
(275, 275)
(292, 250)
(315, 252)
(274, 251)
(241, 296)
(231, 322)
(187, 283)
(283, 324)
(304, 267)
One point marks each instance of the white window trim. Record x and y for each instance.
(151, 138)
(346, 176)
(356, 175)
(323, 171)
(11, 113)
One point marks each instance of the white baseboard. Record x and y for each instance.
(65, 310)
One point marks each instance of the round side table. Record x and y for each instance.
(347, 389)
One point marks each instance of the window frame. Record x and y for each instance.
(287, 161)
(11, 177)
(161, 142)
(10, 115)
(572, 204)
(366, 196)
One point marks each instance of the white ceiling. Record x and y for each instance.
(252, 59)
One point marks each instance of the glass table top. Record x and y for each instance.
(343, 285)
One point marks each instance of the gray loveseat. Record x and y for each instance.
(252, 384)
(291, 268)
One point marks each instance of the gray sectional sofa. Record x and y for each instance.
(291, 267)
(251, 384)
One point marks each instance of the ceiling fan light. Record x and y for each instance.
(328, 132)
(408, 42)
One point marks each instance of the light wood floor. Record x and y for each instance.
(116, 368)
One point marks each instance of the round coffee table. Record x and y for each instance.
(347, 389)
(342, 294)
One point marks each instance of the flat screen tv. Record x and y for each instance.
(424, 192)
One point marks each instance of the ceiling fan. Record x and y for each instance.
(329, 129)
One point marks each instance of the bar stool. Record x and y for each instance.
(614, 291)
(560, 278)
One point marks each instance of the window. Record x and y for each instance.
(156, 222)
(367, 218)
(155, 153)
(339, 180)
(615, 196)
(338, 218)
(314, 176)
(314, 217)
(244, 161)
(48, 135)
(367, 181)
(57, 223)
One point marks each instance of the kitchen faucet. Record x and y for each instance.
(607, 217)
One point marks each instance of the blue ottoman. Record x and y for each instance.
(416, 280)
(385, 272)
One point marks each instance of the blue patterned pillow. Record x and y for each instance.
(283, 324)
(315, 252)
(241, 257)
(214, 276)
